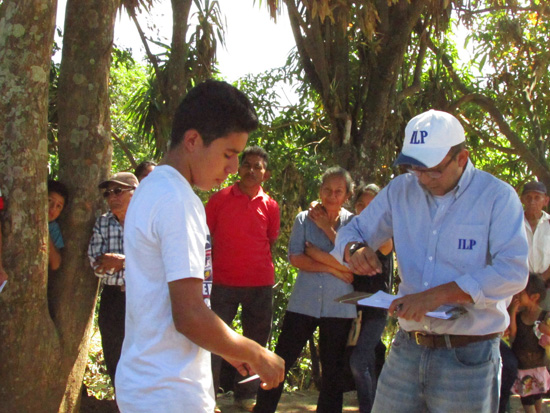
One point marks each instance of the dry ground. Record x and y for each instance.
(295, 402)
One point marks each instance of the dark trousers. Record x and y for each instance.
(509, 374)
(296, 331)
(256, 314)
(112, 310)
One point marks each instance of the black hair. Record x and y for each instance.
(215, 109)
(142, 167)
(456, 149)
(341, 172)
(363, 189)
(535, 285)
(59, 188)
(255, 150)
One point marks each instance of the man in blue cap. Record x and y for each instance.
(459, 240)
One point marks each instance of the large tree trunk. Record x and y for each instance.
(85, 150)
(30, 348)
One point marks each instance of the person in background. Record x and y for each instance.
(244, 224)
(58, 196)
(537, 226)
(526, 320)
(368, 351)
(170, 331)
(312, 303)
(459, 240)
(107, 258)
(364, 359)
(144, 169)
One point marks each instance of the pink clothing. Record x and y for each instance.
(242, 231)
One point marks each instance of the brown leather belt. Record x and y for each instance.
(445, 340)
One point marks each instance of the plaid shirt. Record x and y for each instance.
(108, 236)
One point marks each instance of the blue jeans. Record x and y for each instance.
(363, 361)
(457, 380)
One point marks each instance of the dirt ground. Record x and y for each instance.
(295, 402)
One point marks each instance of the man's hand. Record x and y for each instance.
(271, 365)
(415, 306)
(109, 262)
(346, 276)
(271, 369)
(363, 262)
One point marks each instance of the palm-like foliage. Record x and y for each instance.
(189, 59)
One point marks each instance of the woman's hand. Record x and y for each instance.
(345, 276)
(318, 214)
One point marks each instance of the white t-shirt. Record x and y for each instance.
(539, 244)
(165, 239)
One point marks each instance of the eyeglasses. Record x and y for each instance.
(433, 173)
(116, 191)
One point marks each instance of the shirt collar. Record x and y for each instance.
(465, 179)
(237, 191)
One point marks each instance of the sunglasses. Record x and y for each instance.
(116, 191)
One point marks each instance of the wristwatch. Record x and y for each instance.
(355, 246)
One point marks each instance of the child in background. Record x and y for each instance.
(57, 199)
(526, 319)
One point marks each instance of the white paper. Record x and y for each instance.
(384, 300)
(254, 377)
(3, 285)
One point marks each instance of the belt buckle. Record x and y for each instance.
(418, 336)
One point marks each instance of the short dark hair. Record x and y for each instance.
(59, 188)
(142, 167)
(215, 109)
(341, 172)
(535, 285)
(255, 150)
(363, 189)
(456, 149)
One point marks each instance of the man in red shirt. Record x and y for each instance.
(244, 224)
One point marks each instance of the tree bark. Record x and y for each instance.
(30, 346)
(85, 150)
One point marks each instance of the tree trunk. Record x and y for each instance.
(30, 346)
(85, 150)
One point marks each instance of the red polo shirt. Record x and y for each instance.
(241, 230)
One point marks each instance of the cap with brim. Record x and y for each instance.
(534, 186)
(122, 178)
(428, 138)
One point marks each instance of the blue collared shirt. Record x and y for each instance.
(474, 236)
(314, 292)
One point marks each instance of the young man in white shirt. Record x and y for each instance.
(170, 331)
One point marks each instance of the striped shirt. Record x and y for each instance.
(107, 237)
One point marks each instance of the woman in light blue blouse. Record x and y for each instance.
(312, 302)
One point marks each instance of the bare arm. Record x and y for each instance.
(324, 257)
(54, 256)
(305, 263)
(386, 247)
(203, 327)
(513, 327)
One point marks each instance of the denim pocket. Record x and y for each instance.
(475, 354)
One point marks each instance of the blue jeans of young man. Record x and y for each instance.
(363, 361)
(257, 311)
(457, 380)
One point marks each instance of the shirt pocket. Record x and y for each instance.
(464, 247)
